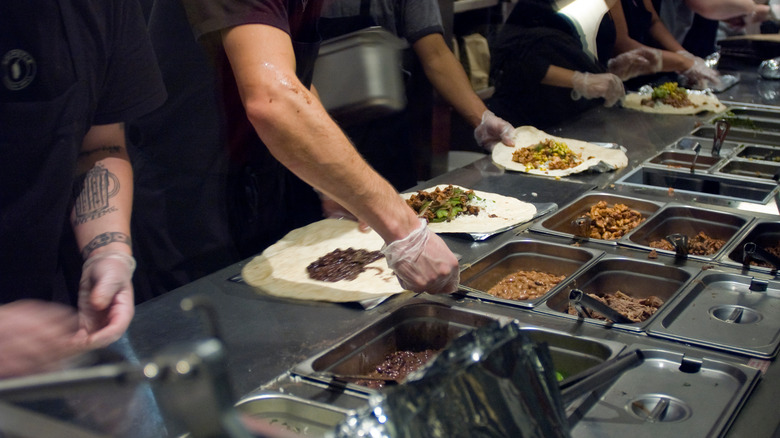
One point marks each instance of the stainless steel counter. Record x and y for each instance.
(266, 336)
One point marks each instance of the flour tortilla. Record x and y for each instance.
(281, 269)
(525, 136)
(508, 212)
(702, 101)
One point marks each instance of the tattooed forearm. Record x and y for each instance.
(109, 150)
(103, 240)
(92, 193)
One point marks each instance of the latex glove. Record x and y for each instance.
(37, 336)
(106, 297)
(333, 210)
(637, 62)
(592, 86)
(493, 129)
(423, 262)
(699, 76)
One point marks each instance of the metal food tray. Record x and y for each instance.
(683, 160)
(300, 416)
(560, 222)
(524, 255)
(636, 278)
(725, 311)
(761, 119)
(687, 144)
(759, 153)
(687, 220)
(749, 168)
(762, 232)
(668, 395)
(740, 135)
(420, 326)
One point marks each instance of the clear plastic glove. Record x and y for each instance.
(493, 129)
(37, 336)
(423, 262)
(637, 62)
(333, 210)
(106, 297)
(699, 76)
(592, 86)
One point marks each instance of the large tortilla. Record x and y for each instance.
(281, 269)
(497, 212)
(592, 155)
(702, 101)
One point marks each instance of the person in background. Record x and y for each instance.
(264, 54)
(694, 23)
(72, 72)
(542, 73)
(180, 217)
(384, 142)
(637, 25)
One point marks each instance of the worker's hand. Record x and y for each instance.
(636, 62)
(699, 76)
(37, 336)
(333, 210)
(493, 129)
(592, 86)
(423, 262)
(106, 297)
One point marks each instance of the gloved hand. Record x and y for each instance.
(699, 76)
(36, 336)
(493, 129)
(333, 210)
(637, 62)
(592, 86)
(106, 297)
(423, 262)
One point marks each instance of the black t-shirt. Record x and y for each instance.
(65, 66)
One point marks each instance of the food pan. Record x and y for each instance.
(718, 186)
(760, 153)
(668, 395)
(525, 255)
(739, 135)
(563, 222)
(726, 311)
(751, 118)
(688, 221)
(765, 234)
(683, 160)
(688, 143)
(414, 327)
(300, 416)
(635, 278)
(750, 169)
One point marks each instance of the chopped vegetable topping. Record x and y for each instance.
(670, 94)
(443, 205)
(547, 155)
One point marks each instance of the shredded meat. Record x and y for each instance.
(525, 285)
(774, 250)
(701, 244)
(635, 309)
(610, 223)
(342, 264)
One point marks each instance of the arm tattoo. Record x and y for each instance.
(103, 240)
(111, 150)
(92, 192)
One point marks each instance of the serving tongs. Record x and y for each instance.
(583, 304)
(751, 251)
(696, 149)
(721, 130)
(582, 226)
(591, 379)
(679, 242)
(351, 378)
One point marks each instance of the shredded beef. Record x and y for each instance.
(342, 264)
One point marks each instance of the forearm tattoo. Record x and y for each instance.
(103, 240)
(92, 193)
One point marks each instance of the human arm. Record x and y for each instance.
(585, 84)
(297, 130)
(101, 223)
(449, 79)
(727, 9)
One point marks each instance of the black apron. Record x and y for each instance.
(39, 143)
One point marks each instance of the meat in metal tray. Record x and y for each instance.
(725, 311)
